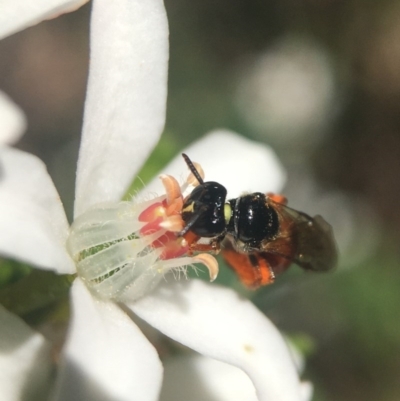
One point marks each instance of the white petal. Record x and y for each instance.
(25, 364)
(218, 323)
(126, 99)
(12, 120)
(197, 378)
(106, 356)
(34, 227)
(306, 391)
(20, 14)
(241, 165)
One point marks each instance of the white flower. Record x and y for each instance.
(218, 381)
(106, 357)
(24, 360)
(288, 92)
(13, 122)
(19, 14)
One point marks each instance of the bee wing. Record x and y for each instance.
(316, 246)
(308, 241)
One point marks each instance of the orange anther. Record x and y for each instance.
(175, 206)
(172, 188)
(210, 262)
(191, 179)
(173, 223)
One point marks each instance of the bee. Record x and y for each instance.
(258, 235)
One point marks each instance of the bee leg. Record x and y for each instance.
(277, 198)
(253, 270)
(277, 263)
(263, 273)
(214, 246)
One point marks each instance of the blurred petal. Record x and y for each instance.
(17, 15)
(126, 99)
(32, 219)
(106, 356)
(203, 378)
(297, 356)
(12, 120)
(237, 163)
(287, 93)
(306, 390)
(218, 323)
(25, 366)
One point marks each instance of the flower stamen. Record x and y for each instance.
(172, 223)
(122, 250)
(191, 179)
(172, 188)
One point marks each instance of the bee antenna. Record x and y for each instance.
(192, 168)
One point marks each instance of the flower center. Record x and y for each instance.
(122, 250)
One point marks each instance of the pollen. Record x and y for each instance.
(123, 250)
